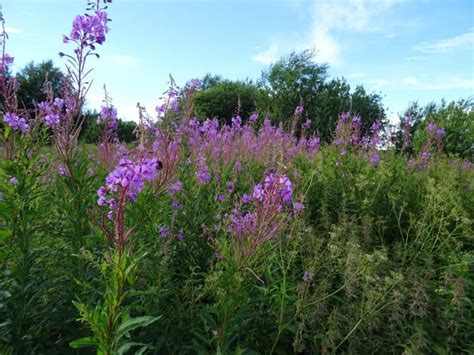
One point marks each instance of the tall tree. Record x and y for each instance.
(297, 79)
(32, 79)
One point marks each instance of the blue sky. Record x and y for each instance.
(421, 50)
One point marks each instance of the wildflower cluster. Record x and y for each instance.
(89, 30)
(127, 180)
(108, 116)
(51, 111)
(15, 122)
(261, 216)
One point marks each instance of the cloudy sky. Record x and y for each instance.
(420, 50)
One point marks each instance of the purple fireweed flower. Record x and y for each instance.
(63, 171)
(275, 186)
(176, 205)
(202, 174)
(108, 115)
(181, 234)
(306, 124)
(441, 132)
(431, 127)
(374, 159)
(175, 187)
(356, 122)
(298, 207)
(306, 276)
(376, 126)
(425, 155)
(299, 110)
(51, 120)
(193, 84)
(220, 198)
(253, 117)
(246, 198)
(16, 123)
(13, 181)
(89, 30)
(466, 165)
(411, 164)
(165, 231)
(230, 186)
(128, 179)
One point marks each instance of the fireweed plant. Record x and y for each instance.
(213, 237)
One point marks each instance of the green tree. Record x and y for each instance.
(297, 79)
(457, 119)
(225, 98)
(32, 79)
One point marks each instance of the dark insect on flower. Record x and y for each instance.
(159, 165)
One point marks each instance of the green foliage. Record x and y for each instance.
(297, 80)
(380, 260)
(32, 79)
(91, 130)
(224, 99)
(109, 319)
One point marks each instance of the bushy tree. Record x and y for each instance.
(32, 79)
(91, 130)
(457, 119)
(298, 80)
(225, 98)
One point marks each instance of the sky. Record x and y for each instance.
(419, 50)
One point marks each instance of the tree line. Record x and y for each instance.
(294, 80)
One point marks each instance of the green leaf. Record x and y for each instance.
(83, 342)
(134, 323)
(128, 345)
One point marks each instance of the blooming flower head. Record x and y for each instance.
(275, 188)
(13, 181)
(127, 179)
(299, 110)
(441, 132)
(431, 127)
(89, 30)
(16, 123)
(374, 159)
(253, 117)
(108, 115)
(306, 124)
(175, 188)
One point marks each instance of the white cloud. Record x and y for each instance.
(378, 84)
(465, 40)
(125, 59)
(12, 30)
(27, 13)
(327, 19)
(410, 81)
(268, 56)
(357, 75)
(448, 82)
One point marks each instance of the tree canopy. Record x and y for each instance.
(32, 79)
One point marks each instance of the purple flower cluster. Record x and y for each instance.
(5, 61)
(51, 111)
(175, 187)
(89, 30)
(108, 115)
(16, 123)
(275, 188)
(202, 173)
(127, 180)
(299, 110)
